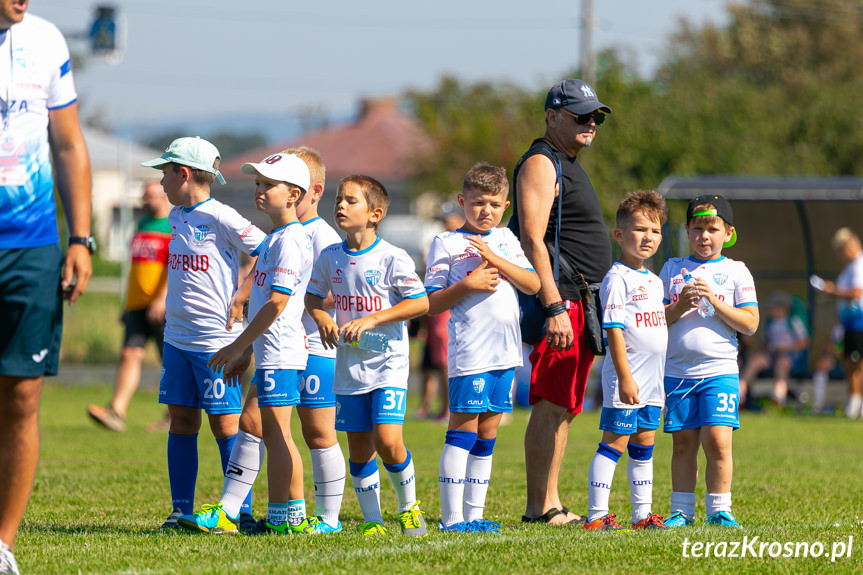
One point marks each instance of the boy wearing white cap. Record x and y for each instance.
(276, 334)
(204, 253)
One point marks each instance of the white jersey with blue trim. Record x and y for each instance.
(284, 265)
(323, 235)
(632, 301)
(363, 282)
(851, 311)
(35, 79)
(483, 327)
(705, 347)
(203, 265)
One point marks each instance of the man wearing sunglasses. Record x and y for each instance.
(561, 360)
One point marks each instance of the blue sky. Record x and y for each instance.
(205, 58)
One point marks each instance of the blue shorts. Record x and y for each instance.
(362, 412)
(628, 421)
(186, 380)
(481, 392)
(278, 387)
(31, 305)
(694, 403)
(317, 389)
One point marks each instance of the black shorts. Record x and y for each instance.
(139, 329)
(853, 345)
(31, 311)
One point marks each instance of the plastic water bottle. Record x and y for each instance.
(705, 308)
(371, 341)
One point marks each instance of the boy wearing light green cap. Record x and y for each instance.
(204, 254)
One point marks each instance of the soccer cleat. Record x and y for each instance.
(371, 528)
(247, 523)
(211, 519)
(485, 526)
(107, 417)
(652, 521)
(677, 519)
(460, 527)
(7, 560)
(171, 521)
(605, 523)
(323, 527)
(723, 519)
(413, 524)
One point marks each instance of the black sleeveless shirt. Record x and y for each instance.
(584, 243)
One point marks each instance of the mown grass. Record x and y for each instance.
(100, 497)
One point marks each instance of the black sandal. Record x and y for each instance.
(544, 518)
(578, 518)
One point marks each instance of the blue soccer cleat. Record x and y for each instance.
(723, 519)
(678, 519)
(486, 526)
(322, 527)
(211, 519)
(460, 527)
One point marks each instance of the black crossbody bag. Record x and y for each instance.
(531, 312)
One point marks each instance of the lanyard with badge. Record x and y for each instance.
(13, 168)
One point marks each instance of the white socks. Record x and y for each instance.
(328, 470)
(247, 455)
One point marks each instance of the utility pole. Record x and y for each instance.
(588, 67)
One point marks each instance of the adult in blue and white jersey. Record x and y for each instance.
(632, 301)
(849, 289)
(39, 123)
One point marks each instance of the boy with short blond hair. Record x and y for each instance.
(475, 271)
(702, 386)
(206, 239)
(634, 321)
(375, 288)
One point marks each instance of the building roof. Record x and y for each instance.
(383, 143)
(108, 152)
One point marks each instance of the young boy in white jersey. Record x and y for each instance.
(204, 255)
(474, 271)
(281, 272)
(375, 288)
(702, 386)
(316, 408)
(634, 321)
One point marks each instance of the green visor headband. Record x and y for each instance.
(714, 212)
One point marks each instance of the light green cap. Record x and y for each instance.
(192, 152)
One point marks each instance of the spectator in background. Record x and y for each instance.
(39, 124)
(825, 364)
(786, 337)
(144, 312)
(434, 362)
(849, 289)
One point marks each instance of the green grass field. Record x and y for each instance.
(100, 497)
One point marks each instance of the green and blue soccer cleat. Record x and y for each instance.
(322, 527)
(723, 519)
(371, 528)
(412, 522)
(211, 519)
(677, 519)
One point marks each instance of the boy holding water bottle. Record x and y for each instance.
(702, 385)
(376, 289)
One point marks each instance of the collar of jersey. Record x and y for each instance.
(189, 209)
(464, 231)
(644, 271)
(307, 222)
(713, 261)
(351, 252)
(284, 226)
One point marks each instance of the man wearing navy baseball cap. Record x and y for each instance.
(573, 241)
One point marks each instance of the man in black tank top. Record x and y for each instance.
(561, 360)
